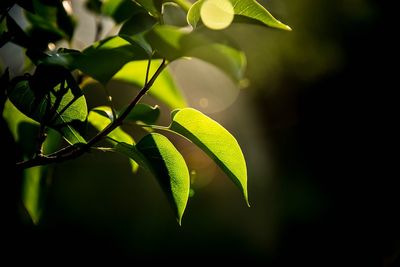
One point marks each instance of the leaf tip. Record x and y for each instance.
(287, 28)
(179, 220)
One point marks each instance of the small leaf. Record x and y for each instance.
(99, 117)
(170, 169)
(105, 58)
(215, 141)
(70, 111)
(144, 113)
(193, 15)
(164, 88)
(173, 43)
(248, 11)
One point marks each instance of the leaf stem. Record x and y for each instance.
(77, 150)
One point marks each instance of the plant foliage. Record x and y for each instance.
(49, 97)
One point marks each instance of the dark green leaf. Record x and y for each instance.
(120, 10)
(249, 11)
(152, 6)
(32, 195)
(170, 169)
(25, 132)
(49, 23)
(173, 43)
(214, 140)
(99, 117)
(138, 23)
(105, 58)
(164, 88)
(34, 186)
(70, 112)
(144, 113)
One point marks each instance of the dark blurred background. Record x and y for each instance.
(315, 124)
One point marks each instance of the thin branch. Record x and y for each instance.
(75, 151)
(148, 70)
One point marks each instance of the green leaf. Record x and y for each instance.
(156, 154)
(70, 112)
(152, 6)
(174, 43)
(193, 15)
(120, 10)
(50, 22)
(170, 169)
(215, 141)
(248, 11)
(32, 191)
(34, 186)
(164, 88)
(144, 113)
(99, 117)
(14, 117)
(105, 58)
(25, 132)
(138, 23)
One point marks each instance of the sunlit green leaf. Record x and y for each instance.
(164, 88)
(105, 58)
(71, 111)
(214, 140)
(173, 43)
(170, 169)
(193, 15)
(144, 113)
(248, 11)
(99, 117)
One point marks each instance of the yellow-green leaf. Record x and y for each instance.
(247, 11)
(169, 167)
(215, 141)
(164, 88)
(99, 117)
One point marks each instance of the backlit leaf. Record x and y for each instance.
(70, 112)
(215, 141)
(173, 43)
(247, 11)
(164, 88)
(99, 117)
(170, 169)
